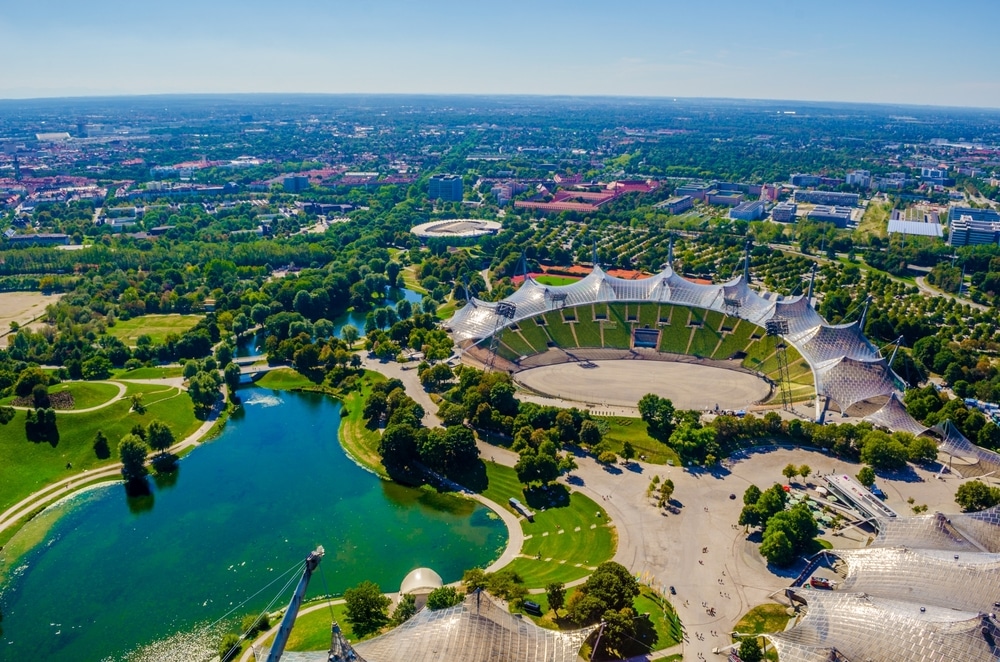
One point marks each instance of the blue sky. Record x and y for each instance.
(944, 52)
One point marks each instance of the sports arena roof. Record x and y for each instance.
(847, 368)
(928, 588)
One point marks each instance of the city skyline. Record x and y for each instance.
(892, 52)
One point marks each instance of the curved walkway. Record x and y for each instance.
(107, 403)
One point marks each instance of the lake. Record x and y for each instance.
(114, 575)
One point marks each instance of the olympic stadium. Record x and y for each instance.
(780, 340)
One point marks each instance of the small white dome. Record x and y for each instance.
(421, 581)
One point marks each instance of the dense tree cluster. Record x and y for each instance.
(786, 533)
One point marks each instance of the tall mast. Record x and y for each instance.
(281, 639)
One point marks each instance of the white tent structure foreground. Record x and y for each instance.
(928, 588)
(847, 368)
(477, 630)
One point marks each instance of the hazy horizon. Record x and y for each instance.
(889, 52)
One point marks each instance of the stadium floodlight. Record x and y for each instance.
(506, 309)
(777, 326)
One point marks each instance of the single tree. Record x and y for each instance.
(866, 476)
(556, 593)
(976, 495)
(405, 609)
(628, 452)
(777, 548)
(590, 433)
(137, 406)
(40, 396)
(231, 375)
(7, 415)
(158, 436)
(619, 629)
(229, 647)
(132, 451)
(789, 472)
(101, 448)
(366, 608)
(750, 650)
(349, 333)
(805, 470)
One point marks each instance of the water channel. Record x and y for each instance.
(114, 574)
(253, 345)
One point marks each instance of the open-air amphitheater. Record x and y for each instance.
(669, 318)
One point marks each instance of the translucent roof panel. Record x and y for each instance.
(983, 527)
(830, 342)
(934, 531)
(753, 307)
(800, 315)
(683, 291)
(926, 577)
(858, 627)
(966, 458)
(475, 320)
(847, 381)
(893, 416)
(478, 630)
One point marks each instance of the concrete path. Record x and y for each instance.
(114, 399)
(931, 291)
(406, 373)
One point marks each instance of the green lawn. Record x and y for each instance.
(534, 335)
(312, 630)
(617, 334)
(633, 430)
(87, 394)
(736, 340)
(763, 618)
(157, 327)
(355, 436)
(27, 466)
(516, 344)
(559, 330)
(285, 379)
(566, 552)
(649, 314)
(556, 280)
(704, 342)
(587, 330)
(664, 621)
(677, 334)
(149, 373)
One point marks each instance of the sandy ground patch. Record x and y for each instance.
(623, 383)
(22, 307)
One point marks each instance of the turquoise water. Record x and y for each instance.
(254, 345)
(115, 573)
